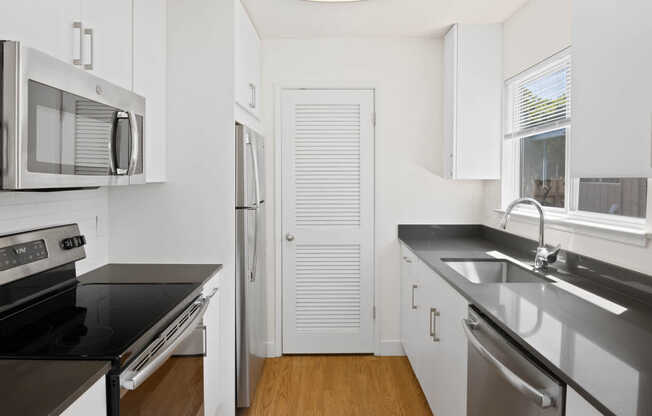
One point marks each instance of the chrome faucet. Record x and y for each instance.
(544, 256)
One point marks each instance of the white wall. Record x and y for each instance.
(190, 219)
(20, 211)
(407, 75)
(529, 38)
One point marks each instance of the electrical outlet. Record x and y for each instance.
(99, 227)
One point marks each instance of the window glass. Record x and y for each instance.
(543, 168)
(616, 196)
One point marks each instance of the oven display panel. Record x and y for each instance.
(19, 254)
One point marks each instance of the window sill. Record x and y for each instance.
(632, 234)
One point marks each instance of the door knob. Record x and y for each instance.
(289, 237)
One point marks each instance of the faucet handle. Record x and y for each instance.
(551, 256)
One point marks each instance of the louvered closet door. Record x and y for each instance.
(327, 139)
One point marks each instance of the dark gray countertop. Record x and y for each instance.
(593, 328)
(151, 273)
(43, 387)
(40, 388)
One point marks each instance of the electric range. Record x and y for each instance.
(46, 313)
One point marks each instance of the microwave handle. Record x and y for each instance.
(135, 143)
(113, 169)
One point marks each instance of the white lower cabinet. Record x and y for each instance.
(432, 335)
(409, 287)
(91, 403)
(212, 360)
(576, 405)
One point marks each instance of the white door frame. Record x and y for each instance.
(276, 348)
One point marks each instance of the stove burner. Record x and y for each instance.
(90, 336)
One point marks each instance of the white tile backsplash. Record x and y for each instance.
(21, 211)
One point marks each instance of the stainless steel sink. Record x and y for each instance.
(494, 271)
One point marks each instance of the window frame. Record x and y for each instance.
(569, 217)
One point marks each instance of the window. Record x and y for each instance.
(543, 168)
(536, 155)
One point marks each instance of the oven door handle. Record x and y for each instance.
(159, 350)
(536, 396)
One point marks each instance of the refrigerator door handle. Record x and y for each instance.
(254, 157)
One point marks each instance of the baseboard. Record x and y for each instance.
(390, 347)
(272, 350)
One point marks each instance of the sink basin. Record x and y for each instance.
(494, 271)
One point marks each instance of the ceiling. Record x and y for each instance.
(302, 19)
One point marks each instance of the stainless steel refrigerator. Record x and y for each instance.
(250, 260)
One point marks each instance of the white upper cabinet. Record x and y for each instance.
(43, 25)
(107, 40)
(122, 41)
(92, 34)
(149, 77)
(247, 62)
(473, 83)
(612, 86)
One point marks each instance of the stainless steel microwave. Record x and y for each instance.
(63, 127)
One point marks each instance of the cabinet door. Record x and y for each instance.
(450, 364)
(576, 405)
(429, 348)
(247, 62)
(107, 45)
(44, 25)
(149, 44)
(612, 63)
(212, 372)
(450, 100)
(406, 300)
(473, 76)
(91, 403)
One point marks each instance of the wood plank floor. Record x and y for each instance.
(337, 385)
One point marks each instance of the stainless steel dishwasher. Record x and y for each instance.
(502, 379)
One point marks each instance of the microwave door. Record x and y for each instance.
(72, 140)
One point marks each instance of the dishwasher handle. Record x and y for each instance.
(541, 399)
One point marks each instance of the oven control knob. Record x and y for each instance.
(73, 242)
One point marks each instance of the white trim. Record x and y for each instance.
(270, 350)
(276, 347)
(390, 348)
(583, 224)
(541, 66)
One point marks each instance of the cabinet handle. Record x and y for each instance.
(78, 26)
(252, 99)
(414, 287)
(407, 259)
(89, 32)
(434, 313)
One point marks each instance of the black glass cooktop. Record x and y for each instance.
(88, 321)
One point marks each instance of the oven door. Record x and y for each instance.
(167, 376)
(66, 128)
